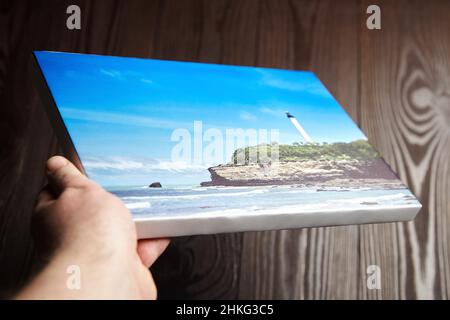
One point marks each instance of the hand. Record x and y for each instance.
(76, 222)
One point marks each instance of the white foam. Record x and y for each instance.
(195, 196)
(138, 205)
(369, 199)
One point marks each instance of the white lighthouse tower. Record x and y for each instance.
(299, 128)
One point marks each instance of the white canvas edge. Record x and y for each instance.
(172, 226)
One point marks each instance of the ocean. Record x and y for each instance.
(186, 200)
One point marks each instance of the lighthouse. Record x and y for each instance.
(299, 128)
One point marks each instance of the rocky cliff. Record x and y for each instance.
(318, 173)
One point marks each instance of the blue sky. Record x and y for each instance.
(121, 112)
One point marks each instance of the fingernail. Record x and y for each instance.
(55, 163)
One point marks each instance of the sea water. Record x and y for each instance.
(193, 200)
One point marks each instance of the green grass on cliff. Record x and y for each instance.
(358, 149)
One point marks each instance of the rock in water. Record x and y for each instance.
(155, 185)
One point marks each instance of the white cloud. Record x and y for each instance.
(175, 166)
(244, 115)
(125, 75)
(315, 87)
(274, 112)
(122, 164)
(112, 163)
(147, 81)
(112, 73)
(120, 118)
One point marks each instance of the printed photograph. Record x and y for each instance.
(179, 138)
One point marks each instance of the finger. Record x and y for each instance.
(63, 174)
(45, 196)
(150, 249)
(43, 199)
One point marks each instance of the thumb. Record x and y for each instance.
(62, 174)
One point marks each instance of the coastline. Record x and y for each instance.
(373, 173)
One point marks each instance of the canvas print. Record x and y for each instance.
(178, 138)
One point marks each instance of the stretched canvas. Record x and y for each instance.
(194, 148)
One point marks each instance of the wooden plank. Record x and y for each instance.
(26, 140)
(394, 82)
(27, 137)
(280, 264)
(334, 58)
(203, 266)
(404, 87)
(315, 263)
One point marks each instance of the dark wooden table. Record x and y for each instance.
(394, 82)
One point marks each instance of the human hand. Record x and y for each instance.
(77, 223)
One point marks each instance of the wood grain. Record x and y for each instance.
(394, 82)
(409, 60)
